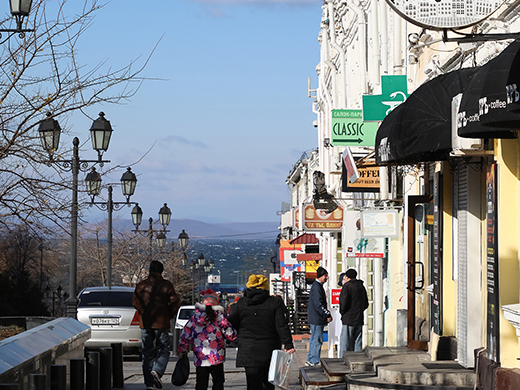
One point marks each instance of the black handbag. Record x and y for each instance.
(182, 371)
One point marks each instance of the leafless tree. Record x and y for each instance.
(41, 73)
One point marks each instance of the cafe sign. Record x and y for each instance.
(319, 220)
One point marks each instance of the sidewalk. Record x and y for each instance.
(235, 377)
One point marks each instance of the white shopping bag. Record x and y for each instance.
(279, 368)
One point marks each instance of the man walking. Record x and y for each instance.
(157, 303)
(353, 301)
(318, 316)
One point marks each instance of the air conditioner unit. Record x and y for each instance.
(459, 144)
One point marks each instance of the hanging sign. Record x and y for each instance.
(348, 129)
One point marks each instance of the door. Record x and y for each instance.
(420, 250)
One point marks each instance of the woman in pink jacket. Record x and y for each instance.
(207, 331)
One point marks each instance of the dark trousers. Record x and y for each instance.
(256, 378)
(217, 376)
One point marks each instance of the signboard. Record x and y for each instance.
(394, 92)
(348, 129)
(289, 263)
(319, 220)
(437, 253)
(493, 298)
(368, 180)
(350, 165)
(379, 223)
(309, 257)
(334, 296)
(354, 244)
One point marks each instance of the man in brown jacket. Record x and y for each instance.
(157, 303)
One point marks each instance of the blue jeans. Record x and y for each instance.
(351, 339)
(315, 343)
(156, 353)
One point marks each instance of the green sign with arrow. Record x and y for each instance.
(348, 129)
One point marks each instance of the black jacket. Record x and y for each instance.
(317, 312)
(262, 327)
(353, 301)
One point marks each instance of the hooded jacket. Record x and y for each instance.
(156, 301)
(317, 312)
(262, 327)
(353, 301)
(208, 340)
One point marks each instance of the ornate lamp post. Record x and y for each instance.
(100, 133)
(93, 184)
(165, 215)
(19, 9)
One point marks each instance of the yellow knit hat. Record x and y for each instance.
(258, 281)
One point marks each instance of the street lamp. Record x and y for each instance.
(49, 131)
(183, 239)
(93, 184)
(19, 9)
(164, 217)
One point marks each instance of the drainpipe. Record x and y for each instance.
(383, 20)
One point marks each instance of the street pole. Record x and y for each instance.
(150, 237)
(110, 209)
(72, 300)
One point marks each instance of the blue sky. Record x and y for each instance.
(228, 114)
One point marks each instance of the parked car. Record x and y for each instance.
(183, 316)
(111, 317)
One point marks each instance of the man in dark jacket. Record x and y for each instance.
(262, 327)
(318, 316)
(157, 303)
(353, 301)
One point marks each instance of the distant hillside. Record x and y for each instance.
(202, 230)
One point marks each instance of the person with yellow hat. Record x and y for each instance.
(262, 327)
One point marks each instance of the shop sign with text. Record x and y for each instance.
(319, 220)
(348, 129)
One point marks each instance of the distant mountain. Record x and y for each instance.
(201, 230)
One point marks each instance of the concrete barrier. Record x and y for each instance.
(36, 350)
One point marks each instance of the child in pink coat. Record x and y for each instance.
(207, 332)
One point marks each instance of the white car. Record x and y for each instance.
(183, 316)
(111, 317)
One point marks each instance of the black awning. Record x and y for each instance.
(490, 103)
(419, 129)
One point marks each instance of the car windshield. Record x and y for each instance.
(106, 299)
(185, 314)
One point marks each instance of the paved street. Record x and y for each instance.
(235, 377)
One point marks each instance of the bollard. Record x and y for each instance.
(37, 381)
(118, 380)
(77, 374)
(58, 377)
(92, 370)
(105, 364)
(8, 386)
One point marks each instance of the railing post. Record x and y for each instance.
(77, 374)
(105, 372)
(118, 380)
(92, 370)
(59, 377)
(37, 381)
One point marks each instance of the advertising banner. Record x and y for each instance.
(355, 244)
(379, 223)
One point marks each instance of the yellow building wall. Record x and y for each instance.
(508, 238)
(449, 286)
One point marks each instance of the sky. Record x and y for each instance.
(225, 112)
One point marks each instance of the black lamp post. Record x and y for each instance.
(49, 131)
(164, 218)
(93, 184)
(19, 9)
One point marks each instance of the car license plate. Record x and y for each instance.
(104, 321)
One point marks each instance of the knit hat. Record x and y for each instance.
(210, 297)
(351, 273)
(258, 281)
(321, 271)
